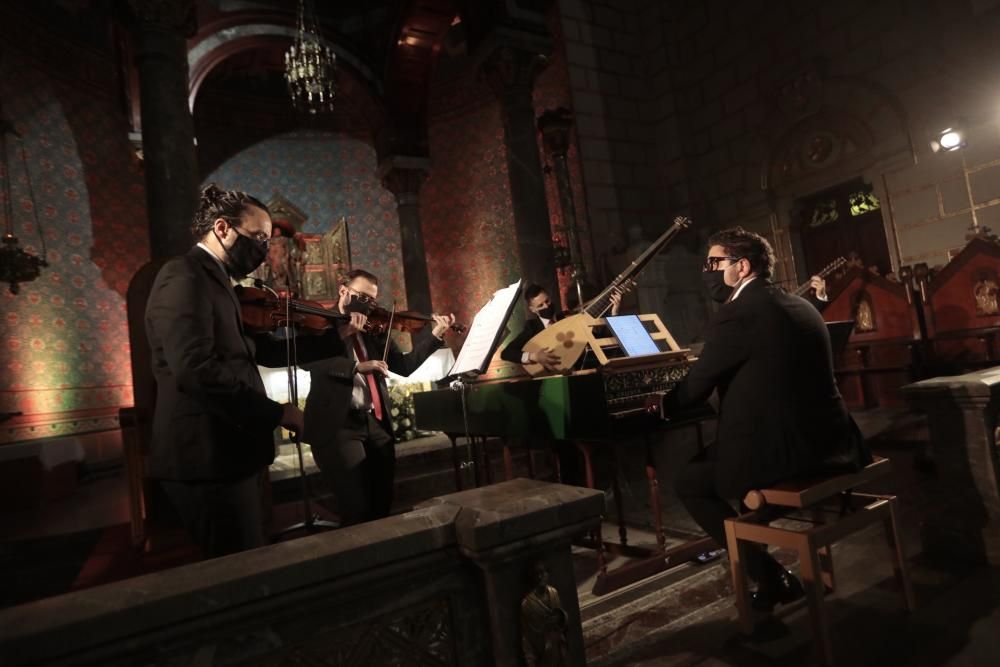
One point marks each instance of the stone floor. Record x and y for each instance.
(683, 616)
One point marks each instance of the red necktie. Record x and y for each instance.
(359, 350)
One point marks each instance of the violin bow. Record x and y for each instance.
(388, 331)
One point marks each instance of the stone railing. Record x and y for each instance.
(962, 418)
(442, 584)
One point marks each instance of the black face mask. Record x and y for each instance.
(547, 312)
(716, 285)
(355, 305)
(244, 255)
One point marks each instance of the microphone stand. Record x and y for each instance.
(311, 522)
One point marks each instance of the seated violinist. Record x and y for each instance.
(347, 419)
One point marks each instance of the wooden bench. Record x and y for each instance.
(814, 497)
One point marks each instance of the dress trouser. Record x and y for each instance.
(695, 488)
(223, 517)
(360, 463)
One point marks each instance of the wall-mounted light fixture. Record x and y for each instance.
(949, 139)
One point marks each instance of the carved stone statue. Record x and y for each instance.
(985, 293)
(543, 623)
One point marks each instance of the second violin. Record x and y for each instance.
(381, 319)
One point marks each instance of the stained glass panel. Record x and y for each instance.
(863, 202)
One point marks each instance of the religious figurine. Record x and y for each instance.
(543, 623)
(865, 318)
(985, 293)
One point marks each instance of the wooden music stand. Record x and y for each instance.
(599, 346)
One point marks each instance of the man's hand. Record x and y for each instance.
(545, 357)
(356, 325)
(616, 302)
(819, 285)
(291, 418)
(442, 324)
(372, 366)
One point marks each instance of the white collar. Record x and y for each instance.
(213, 256)
(740, 288)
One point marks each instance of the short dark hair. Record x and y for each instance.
(215, 203)
(738, 242)
(360, 273)
(533, 290)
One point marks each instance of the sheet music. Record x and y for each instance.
(485, 332)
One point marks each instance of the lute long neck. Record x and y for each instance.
(827, 270)
(603, 300)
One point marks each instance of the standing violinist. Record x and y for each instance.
(213, 427)
(347, 419)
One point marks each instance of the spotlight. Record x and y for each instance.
(950, 139)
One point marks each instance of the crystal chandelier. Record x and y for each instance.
(309, 66)
(16, 265)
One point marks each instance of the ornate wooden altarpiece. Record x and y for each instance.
(881, 352)
(310, 265)
(961, 308)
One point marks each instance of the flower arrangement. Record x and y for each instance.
(401, 410)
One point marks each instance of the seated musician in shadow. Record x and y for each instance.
(539, 304)
(817, 294)
(781, 416)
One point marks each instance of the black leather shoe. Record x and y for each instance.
(781, 589)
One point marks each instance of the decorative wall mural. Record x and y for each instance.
(64, 340)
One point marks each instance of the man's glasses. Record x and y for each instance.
(361, 296)
(712, 263)
(259, 237)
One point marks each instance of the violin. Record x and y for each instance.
(407, 321)
(265, 311)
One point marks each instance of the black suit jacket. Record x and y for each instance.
(332, 382)
(780, 412)
(213, 420)
(515, 348)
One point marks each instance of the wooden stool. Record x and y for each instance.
(813, 544)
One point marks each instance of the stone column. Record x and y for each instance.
(403, 176)
(511, 72)
(555, 126)
(161, 29)
(962, 418)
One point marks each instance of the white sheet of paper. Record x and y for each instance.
(485, 328)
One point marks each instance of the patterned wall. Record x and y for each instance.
(465, 205)
(328, 176)
(65, 338)
(466, 212)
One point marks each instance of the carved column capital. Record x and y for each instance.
(176, 16)
(402, 176)
(511, 70)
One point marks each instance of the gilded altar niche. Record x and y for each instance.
(984, 293)
(864, 313)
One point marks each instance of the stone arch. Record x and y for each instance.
(822, 131)
(216, 42)
(865, 123)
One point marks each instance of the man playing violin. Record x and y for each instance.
(213, 427)
(347, 420)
